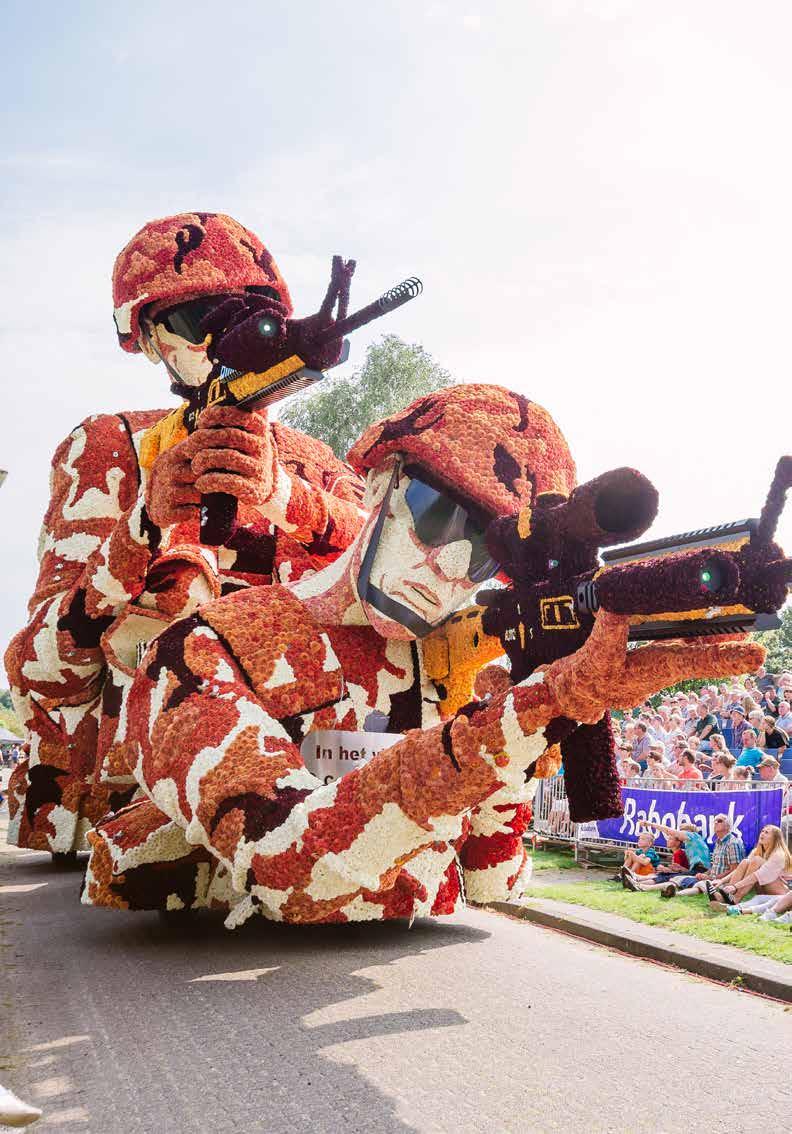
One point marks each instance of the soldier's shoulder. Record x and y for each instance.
(99, 427)
(286, 654)
(257, 614)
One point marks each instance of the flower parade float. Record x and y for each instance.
(233, 709)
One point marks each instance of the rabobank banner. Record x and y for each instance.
(748, 810)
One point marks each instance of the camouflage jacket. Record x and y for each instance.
(217, 713)
(98, 554)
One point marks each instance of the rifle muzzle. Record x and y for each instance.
(612, 508)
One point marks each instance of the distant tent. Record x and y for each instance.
(7, 737)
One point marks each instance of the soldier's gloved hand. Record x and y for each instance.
(248, 334)
(232, 452)
(171, 495)
(305, 333)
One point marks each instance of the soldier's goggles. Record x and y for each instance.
(439, 521)
(185, 319)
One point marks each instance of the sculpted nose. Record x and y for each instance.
(453, 559)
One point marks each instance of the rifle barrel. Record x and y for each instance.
(397, 296)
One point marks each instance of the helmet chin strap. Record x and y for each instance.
(371, 594)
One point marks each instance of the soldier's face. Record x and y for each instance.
(188, 360)
(431, 581)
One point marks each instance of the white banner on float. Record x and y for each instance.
(330, 753)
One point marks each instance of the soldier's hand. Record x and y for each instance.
(171, 496)
(247, 334)
(232, 452)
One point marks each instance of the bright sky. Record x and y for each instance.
(596, 195)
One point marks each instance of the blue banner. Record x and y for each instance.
(748, 811)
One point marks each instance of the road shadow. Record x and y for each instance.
(125, 1023)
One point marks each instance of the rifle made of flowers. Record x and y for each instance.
(720, 580)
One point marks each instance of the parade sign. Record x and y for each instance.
(330, 753)
(748, 811)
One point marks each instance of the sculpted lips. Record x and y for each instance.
(424, 591)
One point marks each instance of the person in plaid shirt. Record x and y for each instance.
(727, 851)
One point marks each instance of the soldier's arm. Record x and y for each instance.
(214, 758)
(94, 480)
(323, 496)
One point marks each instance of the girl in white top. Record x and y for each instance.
(768, 870)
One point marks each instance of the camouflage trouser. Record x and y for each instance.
(141, 860)
(52, 810)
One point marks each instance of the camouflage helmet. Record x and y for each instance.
(182, 257)
(483, 445)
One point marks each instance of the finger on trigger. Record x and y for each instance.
(229, 484)
(227, 437)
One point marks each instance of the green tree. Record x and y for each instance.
(394, 374)
(778, 644)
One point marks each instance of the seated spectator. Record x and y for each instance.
(770, 702)
(751, 755)
(739, 724)
(784, 719)
(769, 771)
(768, 869)
(775, 737)
(722, 769)
(763, 679)
(677, 869)
(689, 770)
(742, 777)
(641, 862)
(756, 721)
(630, 769)
(718, 746)
(706, 724)
(727, 852)
(696, 849)
(656, 767)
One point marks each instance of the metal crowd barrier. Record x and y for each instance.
(551, 820)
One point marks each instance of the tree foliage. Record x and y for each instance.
(339, 409)
(778, 644)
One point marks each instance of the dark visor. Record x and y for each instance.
(439, 521)
(184, 319)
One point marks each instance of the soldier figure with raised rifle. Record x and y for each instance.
(121, 553)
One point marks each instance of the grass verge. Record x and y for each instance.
(547, 858)
(692, 916)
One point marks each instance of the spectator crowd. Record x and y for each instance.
(728, 737)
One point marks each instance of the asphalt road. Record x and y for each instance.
(113, 1022)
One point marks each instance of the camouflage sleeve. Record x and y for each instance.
(317, 499)
(219, 763)
(493, 856)
(94, 480)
